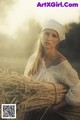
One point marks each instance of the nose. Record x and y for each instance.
(49, 38)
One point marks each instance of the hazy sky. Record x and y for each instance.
(25, 9)
(62, 14)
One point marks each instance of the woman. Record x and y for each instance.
(48, 64)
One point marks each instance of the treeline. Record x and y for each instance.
(70, 47)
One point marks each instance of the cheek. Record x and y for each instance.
(55, 42)
(43, 39)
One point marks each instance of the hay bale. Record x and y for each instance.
(29, 94)
(15, 88)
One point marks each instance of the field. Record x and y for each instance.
(13, 64)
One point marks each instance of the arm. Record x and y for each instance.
(59, 106)
(71, 79)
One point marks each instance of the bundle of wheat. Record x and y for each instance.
(29, 94)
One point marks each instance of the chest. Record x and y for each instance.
(51, 74)
(52, 62)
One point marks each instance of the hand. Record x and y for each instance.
(56, 108)
(59, 106)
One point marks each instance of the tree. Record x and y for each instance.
(71, 46)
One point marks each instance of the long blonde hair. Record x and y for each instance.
(38, 54)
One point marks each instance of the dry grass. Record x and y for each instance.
(13, 89)
(29, 95)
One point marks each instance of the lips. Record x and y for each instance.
(48, 43)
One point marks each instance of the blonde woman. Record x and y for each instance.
(48, 64)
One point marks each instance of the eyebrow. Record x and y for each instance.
(52, 33)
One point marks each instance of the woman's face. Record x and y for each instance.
(50, 38)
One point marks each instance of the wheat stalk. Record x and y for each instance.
(30, 94)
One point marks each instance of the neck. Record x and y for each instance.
(49, 52)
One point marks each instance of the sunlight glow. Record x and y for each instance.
(15, 17)
(62, 14)
(23, 10)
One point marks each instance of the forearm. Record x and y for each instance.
(60, 106)
(63, 104)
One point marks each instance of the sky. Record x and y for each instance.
(64, 15)
(24, 10)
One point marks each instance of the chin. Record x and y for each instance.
(47, 47)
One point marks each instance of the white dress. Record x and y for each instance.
(62, 73)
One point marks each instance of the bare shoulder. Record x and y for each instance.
(61, 58)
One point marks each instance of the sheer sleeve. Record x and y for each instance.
(71, 79)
